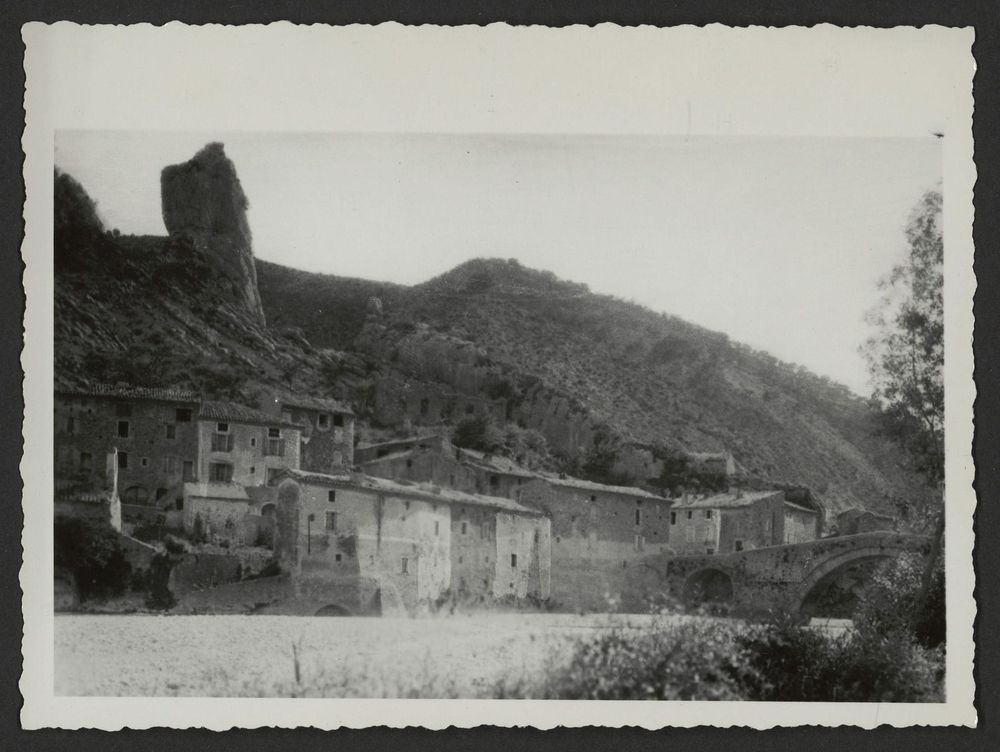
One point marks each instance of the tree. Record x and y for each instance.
(906, 357)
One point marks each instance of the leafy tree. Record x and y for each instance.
(478, 432)
(91, 551)
(906, 358)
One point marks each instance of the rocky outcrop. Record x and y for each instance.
(203, 201)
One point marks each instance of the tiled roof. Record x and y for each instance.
(211, 410)
(228, 491)
(400, 442)
(728, 500)
(125, 391)
(801, 508)
(588, 485)
(424, 491)
(315, 403)
(392, 456)
(496, 463)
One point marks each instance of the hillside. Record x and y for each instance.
(591, 384)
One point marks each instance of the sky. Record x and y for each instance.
(777, 242)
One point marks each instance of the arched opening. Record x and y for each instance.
(136, 495)
(711, 589)
(269, 510)
(835, 594)
(333, 610)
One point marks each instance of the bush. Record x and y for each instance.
(710, 660)
(90, 550)
(478, 432)
(887, 606)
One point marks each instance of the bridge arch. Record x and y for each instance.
(333, 609)
(711, 587)
(834, 572)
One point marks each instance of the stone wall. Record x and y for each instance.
(248, 457)
(197, 571)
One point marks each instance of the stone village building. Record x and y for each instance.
(738, 521)
(854, 521)
(408, 544)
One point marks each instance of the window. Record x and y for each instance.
(405, 565)
(222, 440)
(70, 424)
(437, 527)
(253, 469)
(673, 518)
(738, 545)
(323, 421)
(171, 431)
(179, 503)
(86, 461)
(464, 528)
(690, 514)
(593, 498)
(331, 495)
(709, 551)
(275, 444)
(337, 557)
(338, 420)
(123, 460)
(135, 495)
(253, 441)
(220, 472)
(272, 473)
(123, 429)
(409, 463)
(639, 543)
(123, 410)
(182, 415)
(144, 462)
(331, 520)
(160, 493)
(638, 516)
(708, 514)
(494, 481)
(274, 433)
(513, 560)
(188, 470)
(222, 427)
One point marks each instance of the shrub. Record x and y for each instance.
(91, 551)
(887, 606)
(478, 432)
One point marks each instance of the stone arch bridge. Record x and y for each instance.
(816, 578)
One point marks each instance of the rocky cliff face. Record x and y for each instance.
(204, 203)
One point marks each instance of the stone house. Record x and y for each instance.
(739, 521)
(599, 532)
(153, 431)
(432, 459)
(409, 543)
(239, 444)
(218, 510)
(327, 437)
(854, 521)
(720, 464)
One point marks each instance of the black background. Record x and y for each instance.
(984, 16)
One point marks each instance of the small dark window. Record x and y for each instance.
(123, 460)
(673, 518)
(405, 565)
(738, 545)
(690, 513)
(437, 526)
(708, 514)
(494, 481)
(337, 557)
(381, 452)
(323, 421)
(179, 503)
(513, 560)
(123, 429)
(222, 427)
(409, 463)
(220, 472)
(593, 498)
(331, 495)
(253, 441)
(182, 415)
(160, 493)
(274, 433)
(171, 431)
(188, 470)
(638, 516)
(338, 420)
(253, 469)
(123, 410)
(144, 461)
(709, 551)
(464, 528)
(331, 520)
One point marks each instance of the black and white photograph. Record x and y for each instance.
(394, 412)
